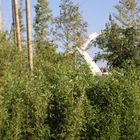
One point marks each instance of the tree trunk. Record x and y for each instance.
(17, 24)
(29, 36)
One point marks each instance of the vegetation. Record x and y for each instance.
(128, 13)
(60, 99)
(120, 45)
(42, 23)
(70, 26)
(120, 39)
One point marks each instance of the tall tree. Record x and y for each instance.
(17, 24)
(42, 23)
(70, 26)
(120, 40)
(29, 36)
(128, 13)
(119, 45)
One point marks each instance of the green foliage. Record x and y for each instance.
(119, 41)
(42, 23)
(116, 101)
(128, 13)
(70, 27)
(62, 102)
(48, 105)
(119, 45)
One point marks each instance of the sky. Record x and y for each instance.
(95, 12)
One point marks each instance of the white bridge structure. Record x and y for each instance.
(82, 50)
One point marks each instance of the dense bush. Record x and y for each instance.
(47, 105)
(116, 99)
(62, 102)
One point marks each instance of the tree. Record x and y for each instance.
(17, 24)
(119, 45)
(120, 39)
(70, 26)
(128, 13)
(29, 36)
(42, 23)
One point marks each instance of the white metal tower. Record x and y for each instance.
(82, 50)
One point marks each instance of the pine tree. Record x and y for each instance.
(128, 13)
(70, 27)
(42, 23)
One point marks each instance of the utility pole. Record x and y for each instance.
(29, 36)
(17, 24)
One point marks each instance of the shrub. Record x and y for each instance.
(116, 99)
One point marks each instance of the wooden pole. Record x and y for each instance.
(17, 25)
(29, 36)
